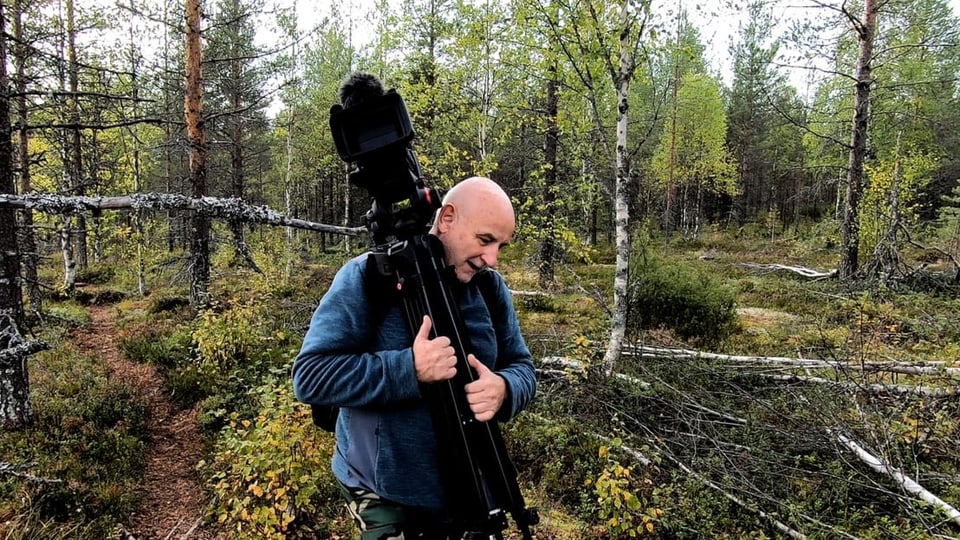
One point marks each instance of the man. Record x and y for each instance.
(386, 455)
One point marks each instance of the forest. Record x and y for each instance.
(739, 281)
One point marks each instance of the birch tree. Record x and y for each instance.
(621, 74)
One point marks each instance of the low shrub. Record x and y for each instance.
(86, 448)
(688, 301)
(270, 474)
(557, 456)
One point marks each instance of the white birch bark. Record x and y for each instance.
(618, 324)
(908, 484)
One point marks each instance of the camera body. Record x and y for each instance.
(372, 129)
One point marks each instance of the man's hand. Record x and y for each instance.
(486, 394)
(434, 359)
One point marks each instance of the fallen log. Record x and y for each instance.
(875, 388)
(907, 368)
(226, 208)
(799, 270)
(905, 482)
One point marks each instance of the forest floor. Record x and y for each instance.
(172, 503)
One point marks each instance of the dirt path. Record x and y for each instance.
(172, 504)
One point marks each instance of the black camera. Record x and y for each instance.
(371, 129)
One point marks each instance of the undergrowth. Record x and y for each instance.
(691, 448)
(76, 468)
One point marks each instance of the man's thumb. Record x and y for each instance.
(477, 364)
(424, 332)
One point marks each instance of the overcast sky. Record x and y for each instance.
(716, 33)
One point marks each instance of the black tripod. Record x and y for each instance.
(479, 478)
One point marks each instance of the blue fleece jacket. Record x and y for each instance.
(385, 437)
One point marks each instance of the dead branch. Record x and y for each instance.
(21, 351)
(804, 272)
(538, 294)
(229, 208)
(16, 470)
(906, 368)
(876, 388)
(644, 460)
(905, 482)
(576, 366)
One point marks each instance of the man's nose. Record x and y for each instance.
(490, 256)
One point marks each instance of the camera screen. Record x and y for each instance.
(374, 135)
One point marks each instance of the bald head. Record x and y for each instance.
(476, 190)
(474, 223)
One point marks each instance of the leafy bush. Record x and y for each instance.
(271, 474)
(617, 490)
(682, 298)
(242, 337)
(96, 274)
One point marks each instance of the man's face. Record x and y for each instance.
(473, 234)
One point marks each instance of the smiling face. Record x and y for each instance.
(474, 224)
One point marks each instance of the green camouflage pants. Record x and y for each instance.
(380, 519)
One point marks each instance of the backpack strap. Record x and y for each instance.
(380, 287)
(486, 282)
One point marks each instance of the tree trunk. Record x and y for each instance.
(138, 228)
(28, 244)
(619, 322)
(858, 143)
(15, 409)
(77, 183)
(242, 253)
(548, 245)
(671, 191)
(288, 151)
(196, 139)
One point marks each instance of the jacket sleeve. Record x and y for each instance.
(336, 366)
(514, 361)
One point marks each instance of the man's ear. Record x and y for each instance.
(446, 217)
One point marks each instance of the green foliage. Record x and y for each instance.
(168, 347)
(557, 456)
(693, 153)
(619, 493)
(681, 297)
(240, 339)
(98, 274)
(89, 437)
(68, 314)
(270, 474)
(894, 186)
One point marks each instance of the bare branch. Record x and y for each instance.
(232, 208)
